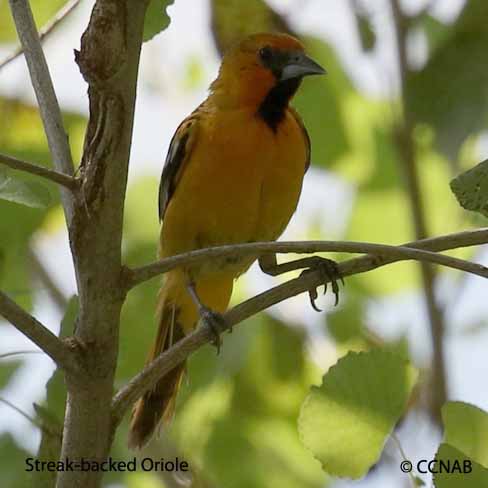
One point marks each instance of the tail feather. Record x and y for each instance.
(159, 403)
(178, 316)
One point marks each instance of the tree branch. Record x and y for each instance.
(148, 377)
(46, 97)
(49, 174)
(37, 333)
(417, 250)
(407, 150)
(45, 31)
(108, 60)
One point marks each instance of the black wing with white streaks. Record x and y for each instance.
(178, 153)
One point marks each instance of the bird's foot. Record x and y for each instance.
(216, 323)
(329, 272)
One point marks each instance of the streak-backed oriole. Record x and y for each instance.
(233, 174)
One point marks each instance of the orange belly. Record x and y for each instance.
(233, 191)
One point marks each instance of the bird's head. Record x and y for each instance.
(259, 64)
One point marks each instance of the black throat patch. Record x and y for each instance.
(273, 107)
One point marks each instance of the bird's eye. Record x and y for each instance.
(265, 53)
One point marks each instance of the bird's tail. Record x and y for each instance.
(177, 315)
(159, 403)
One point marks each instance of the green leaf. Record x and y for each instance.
(7, 369)
(16, 190)
(466, 428)
(13, 474)
(156, 18)
(457, 470)
(471, 188)
(345, 421)
(451, 91)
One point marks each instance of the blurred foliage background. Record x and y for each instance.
(237, 415)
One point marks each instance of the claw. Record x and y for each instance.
(329, 272)
(335, 290)
(313, 296)
(216, 323)
(213, 320)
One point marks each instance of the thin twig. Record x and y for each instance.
(37, 333)
(148, 377)
(45, 31)
(406, 146)
(32, 420)
(49, 174)
(46, 96)
(419, 250)
(17, 353)
(399, 446)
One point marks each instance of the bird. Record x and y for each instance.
(233, 174)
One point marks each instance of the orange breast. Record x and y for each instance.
(241, 184)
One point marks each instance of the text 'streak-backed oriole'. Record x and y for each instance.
(233, 174)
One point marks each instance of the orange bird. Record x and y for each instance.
(233, 174)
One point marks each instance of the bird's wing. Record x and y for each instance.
(305, 136)
(178, 154)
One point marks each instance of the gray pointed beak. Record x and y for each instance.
(300, 65)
